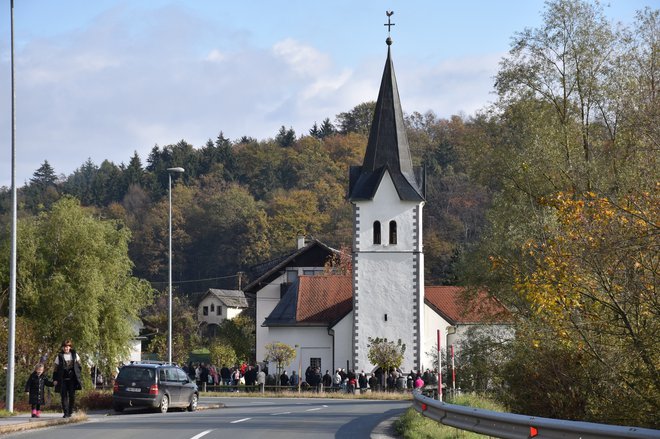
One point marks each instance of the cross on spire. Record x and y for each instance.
(389, 24)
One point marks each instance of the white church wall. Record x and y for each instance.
(461, 333)
(342, 345)
(432, 322)
(313, 342)
(267, 299)
(383, 209)
(388, 278)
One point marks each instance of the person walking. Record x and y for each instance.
(67, 376)
(35, 387)
(327, 381)
(284, 379)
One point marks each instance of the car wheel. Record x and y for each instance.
(193, 403)
(164, 404)
(118, 408)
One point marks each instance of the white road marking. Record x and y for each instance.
(240, 420)
(313, 410)
(203, 433)
(283, 413)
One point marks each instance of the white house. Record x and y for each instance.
(216, 306)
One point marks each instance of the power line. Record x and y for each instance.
(194, 280)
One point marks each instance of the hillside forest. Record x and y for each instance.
(549, 199)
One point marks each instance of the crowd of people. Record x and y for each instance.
(342, 380)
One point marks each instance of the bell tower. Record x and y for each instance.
(388, 195)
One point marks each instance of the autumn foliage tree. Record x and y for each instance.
(594, 286)
(385, 354)
(280, 353)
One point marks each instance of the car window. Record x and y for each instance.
(162, 375)
(182, 375)
(136, 374)
(171, 374)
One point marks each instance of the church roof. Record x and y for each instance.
(455, 306)
(320, 300)
(387, 148)
(323, 300)
(313, 254)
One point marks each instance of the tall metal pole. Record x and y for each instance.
(12, 264)
(169, 296)
(439, 369)
(169, 289)
(453, 371)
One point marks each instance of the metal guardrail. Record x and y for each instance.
(508, 425)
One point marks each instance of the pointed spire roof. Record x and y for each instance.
(387, 148)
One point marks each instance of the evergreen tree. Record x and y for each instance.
(327, 129)
(285, 138)
(315, 131)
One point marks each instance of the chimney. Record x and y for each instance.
(301, 242)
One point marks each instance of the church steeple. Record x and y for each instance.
(387, 148)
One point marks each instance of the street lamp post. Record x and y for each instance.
(169, 297)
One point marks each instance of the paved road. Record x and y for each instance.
(242, 418)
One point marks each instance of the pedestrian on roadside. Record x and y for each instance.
(327, 380)
(35, 387)
(67, 376)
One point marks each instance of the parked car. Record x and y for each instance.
(158, 385)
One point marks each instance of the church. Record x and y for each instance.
(330, 318)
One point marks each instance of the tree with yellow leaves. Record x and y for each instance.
(595, 286)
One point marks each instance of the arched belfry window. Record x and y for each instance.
(376, 232)
(392, 232)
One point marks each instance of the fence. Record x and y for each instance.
(508, 425)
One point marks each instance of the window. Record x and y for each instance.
(314, 272)
(172, 375)
(205, 310)
(212, 307)
(392, 232)
(218, 311)
(376, 232)
(315, 362)
(291, 276)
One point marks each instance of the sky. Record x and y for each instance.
(103, 79)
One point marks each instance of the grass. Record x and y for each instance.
(412, 425)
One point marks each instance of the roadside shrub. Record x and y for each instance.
(95, 400)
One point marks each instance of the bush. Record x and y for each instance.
(95, 400)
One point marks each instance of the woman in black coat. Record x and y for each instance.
(67, 376)
(35, 386)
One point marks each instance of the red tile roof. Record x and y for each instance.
(324, 299)
(455, 304)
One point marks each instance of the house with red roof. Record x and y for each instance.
(298, 302)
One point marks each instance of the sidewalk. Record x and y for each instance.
(24, 421)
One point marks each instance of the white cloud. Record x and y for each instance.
(215, 56)
(129, 82)
(302, 58)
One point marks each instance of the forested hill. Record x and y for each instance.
(242, 202)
